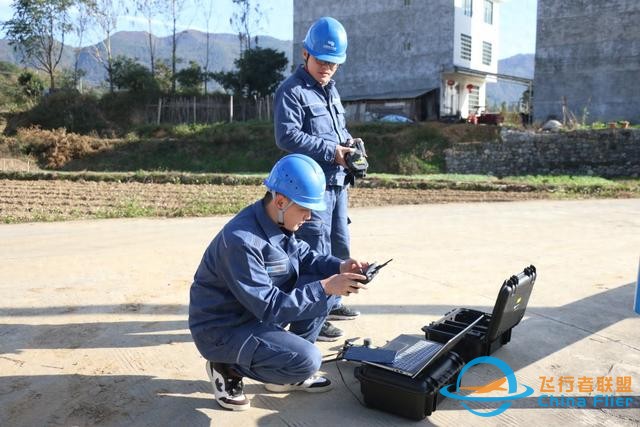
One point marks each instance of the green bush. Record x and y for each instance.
(75, 112)
(404, 149)
(123, 108)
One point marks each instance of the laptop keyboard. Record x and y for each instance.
(413, 356)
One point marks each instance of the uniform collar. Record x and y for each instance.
(270, 228)
(309, 80)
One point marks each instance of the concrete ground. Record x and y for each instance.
(94, 315)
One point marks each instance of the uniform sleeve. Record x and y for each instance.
(312, 263)
(242, 268)
(289, 119)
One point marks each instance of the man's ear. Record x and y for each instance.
(305, 54)
(280, 201)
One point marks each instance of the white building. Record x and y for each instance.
(424, 59)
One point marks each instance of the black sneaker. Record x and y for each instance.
(227, 388)
(329, 333)
(343, 313)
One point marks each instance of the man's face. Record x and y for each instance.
(322, 71)
(295, 215)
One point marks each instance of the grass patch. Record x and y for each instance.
(233, 148)
(568, 184)
(131, 208)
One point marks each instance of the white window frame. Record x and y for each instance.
(488, 12)
(467, 7)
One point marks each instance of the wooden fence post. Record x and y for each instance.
(268, 107)
(159, 110)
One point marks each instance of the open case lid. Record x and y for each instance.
(511, 302)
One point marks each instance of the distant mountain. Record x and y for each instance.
(191, 46)
(521, 65)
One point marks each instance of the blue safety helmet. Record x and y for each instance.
(299, 178)
(326, 40)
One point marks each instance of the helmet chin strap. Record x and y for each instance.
(306, 61)
(281, 211)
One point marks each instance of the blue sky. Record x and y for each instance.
(517, 22)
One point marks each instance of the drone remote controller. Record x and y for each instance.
(372, 271)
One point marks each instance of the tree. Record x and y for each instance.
(175, 9)
(243, 20)
(163, 75)
(207, 17)
(105, 14)
(82, 18)
(67, 78)
(191, 78)
(31, 85)
(37, 31)
(259, 72)
(149, 9)
(132, 76)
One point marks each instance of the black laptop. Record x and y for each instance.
(414, 354)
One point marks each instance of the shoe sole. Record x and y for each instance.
(328, 339)
(221, 403)
(340, 317)
(277, 388)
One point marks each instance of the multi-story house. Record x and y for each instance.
(423, 59)
(587, 60)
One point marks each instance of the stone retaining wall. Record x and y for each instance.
(607, 153)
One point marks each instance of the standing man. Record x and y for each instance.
(247, 289)
(309, 119)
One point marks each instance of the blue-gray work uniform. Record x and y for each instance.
(246, 290)
(309, 119)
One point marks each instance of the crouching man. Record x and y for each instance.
(246, 291)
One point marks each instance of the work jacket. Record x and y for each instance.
(247, 279)
(310, 119)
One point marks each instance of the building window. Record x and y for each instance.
(406, 46)
(407, 2)
(465, 47)
(486, 53)
(468, 7)
(474, 100)
(488, 11)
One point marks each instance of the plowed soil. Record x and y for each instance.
(24, 201)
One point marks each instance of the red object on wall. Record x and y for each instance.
(450, 82)
(470, 87)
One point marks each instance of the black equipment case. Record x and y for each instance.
(408, 397)
(494, 330)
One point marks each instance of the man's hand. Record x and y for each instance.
(353, 266)
(343, 284)
(341, 152)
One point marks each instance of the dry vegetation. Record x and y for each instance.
(55, 148)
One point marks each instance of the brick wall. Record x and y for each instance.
(607, 153)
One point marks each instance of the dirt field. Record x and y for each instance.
(24, 201)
